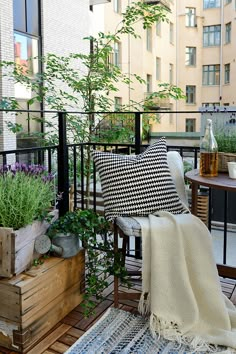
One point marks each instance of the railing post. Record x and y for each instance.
(138, 132)
(63, 170)
(138, 143)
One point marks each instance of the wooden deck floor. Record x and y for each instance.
(73, 326)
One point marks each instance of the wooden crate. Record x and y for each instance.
(33, 302)
(17, 247)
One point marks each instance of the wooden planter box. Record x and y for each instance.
(17, 247)
(33, 302)
(223, 159)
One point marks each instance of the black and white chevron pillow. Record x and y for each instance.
(137, 185)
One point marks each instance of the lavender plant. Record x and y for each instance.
(26, 194)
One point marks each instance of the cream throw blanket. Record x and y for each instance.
(180, 277)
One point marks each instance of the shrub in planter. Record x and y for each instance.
(226, 141)
(26, 196)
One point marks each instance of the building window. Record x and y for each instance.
(117, 54)
(117, 6)
(211, 35)
(117, 103)
(149, 39)
(26, 16)
(149, 83)
(227, 73)
(208, 4)
(158, 68)
(190, 16)
(158, 28)
(228, 32)
(171, 73)
(190, 94)
(25, 48)
(211, 75)
(190, 56)
(171, 33)
(190, 125)
(27, 44)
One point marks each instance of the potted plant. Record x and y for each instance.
(26, 196)
(95, 234)
(226, 140)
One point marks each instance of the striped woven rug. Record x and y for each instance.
(120, 331)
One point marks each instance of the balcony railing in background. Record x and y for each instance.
(68, 162)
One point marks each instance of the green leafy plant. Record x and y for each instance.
(226, 142)
(26, 194)
(95, 233)
(61, 86)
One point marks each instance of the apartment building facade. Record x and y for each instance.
(30, 28)
(195, 51)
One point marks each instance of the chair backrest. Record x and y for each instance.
(176, 166)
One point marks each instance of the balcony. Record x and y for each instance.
(97, 2)
(73, 325)
(165, 3)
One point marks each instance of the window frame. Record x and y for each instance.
(228, 30)
(190, 94)
(211, 4)
(149, 39)
(149, 83)
(190, 56)
(117, 54)
(211, 75)
(117, 103)
(158, 68)
(227, 73)
(171, 33)
(190, 125)
(158, 28)
(211, 36)
(190, 17)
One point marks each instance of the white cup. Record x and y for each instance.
(232, 169)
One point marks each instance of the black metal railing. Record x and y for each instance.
(68, 162)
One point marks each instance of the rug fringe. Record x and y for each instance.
(144, 304)
(170, 331)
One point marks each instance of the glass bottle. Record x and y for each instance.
(208, 153)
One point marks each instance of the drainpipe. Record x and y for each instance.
(176, 61)
(221, 49)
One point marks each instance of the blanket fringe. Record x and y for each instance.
(170, 331)
(144, 304)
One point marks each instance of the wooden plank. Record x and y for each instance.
(67, 340)
(69, 272)
(49, 340)
(59, 347)
(75, 332)
(85, 322)
(5, 252)
(226, 271)
(24, 295)
(56, 310)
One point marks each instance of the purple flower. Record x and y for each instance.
(31, 170)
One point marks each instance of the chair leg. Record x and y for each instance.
(116, 279)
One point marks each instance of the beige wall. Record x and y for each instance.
(136, 59)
